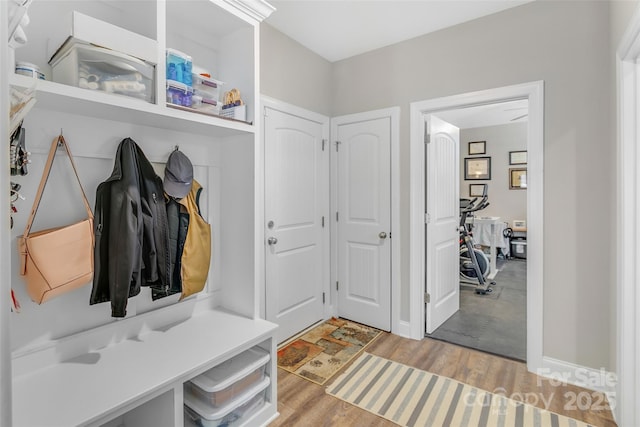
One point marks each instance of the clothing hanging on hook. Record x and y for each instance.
(18, 154)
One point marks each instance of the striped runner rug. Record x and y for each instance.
(412, 397)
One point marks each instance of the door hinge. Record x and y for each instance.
(427, 297)
(265, 112)
(337, 145)
(323, 301)
(322, 222)
(427, 138)
(324, 141)
(337, 216)
(337, 285)
(427, 218)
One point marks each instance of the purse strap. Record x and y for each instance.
(58, 141)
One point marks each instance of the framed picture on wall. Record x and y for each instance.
(477, 147)
(477, 190)
(477, 168)
(518, 178)
(517, 157)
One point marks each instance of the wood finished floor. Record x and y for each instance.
(303, 403)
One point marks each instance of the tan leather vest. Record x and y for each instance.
(196, 256)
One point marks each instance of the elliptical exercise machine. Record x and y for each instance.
(474, 264)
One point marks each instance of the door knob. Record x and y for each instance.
(272, 240)
(382, 235)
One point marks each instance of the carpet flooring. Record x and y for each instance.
(412, 397)
(495, 322)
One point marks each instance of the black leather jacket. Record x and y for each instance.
(131, 231)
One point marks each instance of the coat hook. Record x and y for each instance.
(176, 148)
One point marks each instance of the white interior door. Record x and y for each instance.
(442, 220)
(364, 219)
(296, 198)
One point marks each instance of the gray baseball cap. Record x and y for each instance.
(178, 175)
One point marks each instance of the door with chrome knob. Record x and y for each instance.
(363, 192)
(296, 201)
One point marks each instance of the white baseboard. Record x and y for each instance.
(563, 372)
(403, 329)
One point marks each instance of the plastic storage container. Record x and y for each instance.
(519, 248)
(29, 69)
(179, 93)
(235, 412)
(179, 66)
(224, 382)
(96, 68)
(205, 106)
(207, 88)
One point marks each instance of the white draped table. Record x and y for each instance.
(488, 231)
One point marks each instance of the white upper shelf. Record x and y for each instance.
(74, 100)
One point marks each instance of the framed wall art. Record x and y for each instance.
(477, 147)
(518, 178)
(477, 168)
(477, 190)
(517, 157)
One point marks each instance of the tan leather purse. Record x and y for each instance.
(56, 260)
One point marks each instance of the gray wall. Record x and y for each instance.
(503, 202)
(290, 72)
(564, 43)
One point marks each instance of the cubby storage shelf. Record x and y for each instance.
(74, 100)
(100, 385)
(69, 364)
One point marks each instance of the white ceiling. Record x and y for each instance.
(339, 29)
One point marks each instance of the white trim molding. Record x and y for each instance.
(294, 110)
(403, 329)
(560, 372)
(5, 233)
(534, 93)
(396, 325)
(257, 9)
(628, 242)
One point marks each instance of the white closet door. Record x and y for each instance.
(364, 221)
(295, 196)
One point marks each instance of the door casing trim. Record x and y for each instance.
(628, 246)
(534, 93)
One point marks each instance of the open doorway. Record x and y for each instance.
(423, 295)
(492, 136)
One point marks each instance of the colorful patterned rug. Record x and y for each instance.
(411, 397)
(324, 350)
